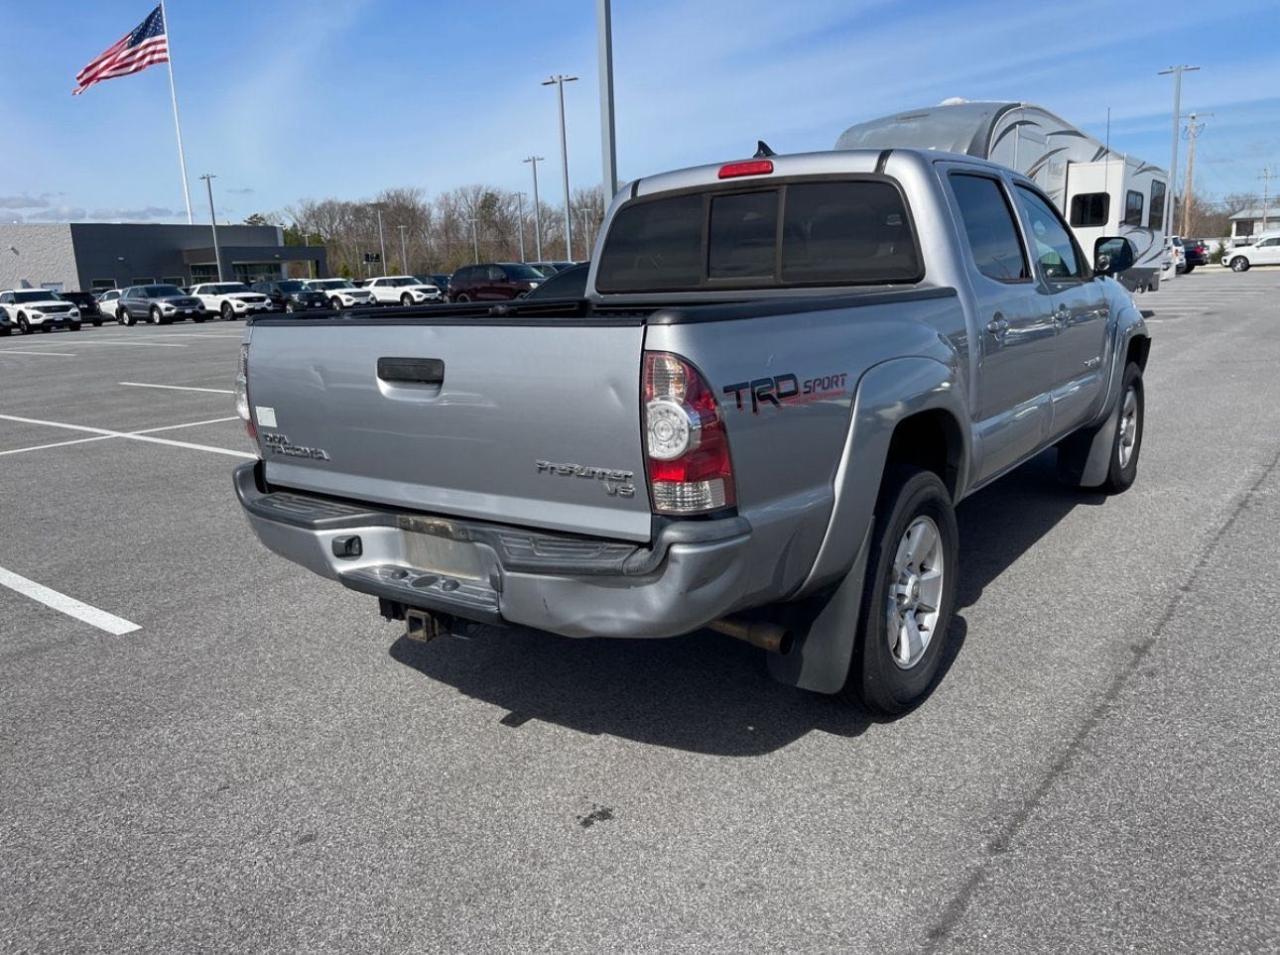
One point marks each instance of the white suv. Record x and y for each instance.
(1264, 251)
(230, 299)
(342, 294)
(36, 309)
(403, 290)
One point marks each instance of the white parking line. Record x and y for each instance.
(212, 391)
(133, 435)
(139, 344)
(108, 437)
(116, 626)
(51, 354)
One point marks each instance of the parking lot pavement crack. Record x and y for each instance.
(997, 846)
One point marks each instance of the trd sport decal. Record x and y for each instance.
(786, 389)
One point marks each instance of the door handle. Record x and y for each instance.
(998, 325)
(1061, 316)
(417, 371)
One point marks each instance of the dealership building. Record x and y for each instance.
(93, 256)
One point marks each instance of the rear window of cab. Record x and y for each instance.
(829, 232)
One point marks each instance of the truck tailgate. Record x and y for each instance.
(530, 424)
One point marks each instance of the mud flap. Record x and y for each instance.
(1084, 458)
(825, 628)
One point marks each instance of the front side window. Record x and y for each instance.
(1052, 245)
(1132, 208)
(990, 229)
(1090, 209)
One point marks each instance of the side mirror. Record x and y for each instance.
(1113, 255)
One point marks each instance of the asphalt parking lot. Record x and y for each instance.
(241, 756)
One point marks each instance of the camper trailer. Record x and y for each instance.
(1099, 191)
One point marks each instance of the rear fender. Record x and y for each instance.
(825, 622)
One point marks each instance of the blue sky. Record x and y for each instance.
(285, 99)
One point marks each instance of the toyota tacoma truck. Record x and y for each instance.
(784, 375)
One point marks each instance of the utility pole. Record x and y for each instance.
(404, 256)
(213, 222)
(537, 208)
(1176, 72)
(608, 145)
(1193, 131)
(520, 199)
(382, 241)
(558, 81)
(1266, 178)
(475, 241)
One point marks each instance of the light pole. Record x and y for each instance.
(587, 216)
(537, 208)
(520, 200)
(382, 241)
(475, 241)
(404, 256)
(1177, 72)
(558, 81)
(608, 145)
(213, 222)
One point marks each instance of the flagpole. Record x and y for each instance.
(177, 124)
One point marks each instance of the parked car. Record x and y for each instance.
(403, 290)
(439, 279)
(342, 293)
(496, 281)
(230, 299)
(291, 296)
(1264, 251)
(158, 304)
(568, 283)
(1177, 252)
(109, 305)
(763, 426)
(87, 304)
(36, 309)
(1196, 252)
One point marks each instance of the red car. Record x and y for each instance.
(494, 282)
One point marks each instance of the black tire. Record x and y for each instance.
(875, 678)
(464, 298)
(227, 311)
(23, 325)
(5, 332)
(198, 319)
(335, 303)
(1189, 269)
(1120, 476)
(124, 318)
(156, 317)
(97, 323)
(406, 300)
(1239, 264)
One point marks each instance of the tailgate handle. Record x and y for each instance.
(418, 371)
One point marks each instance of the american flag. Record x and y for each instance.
(145, 45)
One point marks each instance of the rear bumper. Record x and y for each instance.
(692, 573)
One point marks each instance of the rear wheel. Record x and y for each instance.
(123, 317)
(24, 326)
(1122, 470)
(909, 594)
(1239, 264)
(155, 315)
(226, 311)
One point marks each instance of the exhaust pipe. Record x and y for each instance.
(760, 633)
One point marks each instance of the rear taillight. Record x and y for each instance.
(690, 471)
(752, 167)
(242, 393)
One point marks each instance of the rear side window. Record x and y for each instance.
(988, 225)
(1090, 209)
(806, 233)
(1132, 208)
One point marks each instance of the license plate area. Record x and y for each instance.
(444, 555)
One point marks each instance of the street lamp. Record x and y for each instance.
(558, 81)
(537, 207)
(520, 200)
(382, 240)
(404, 256)
(608, 143)
(213, 222)
(475, 241)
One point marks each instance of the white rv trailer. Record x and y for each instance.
(1101, 192)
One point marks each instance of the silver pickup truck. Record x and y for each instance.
(785, 374)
